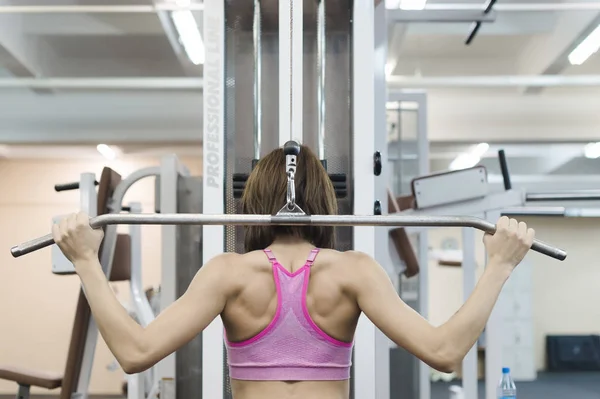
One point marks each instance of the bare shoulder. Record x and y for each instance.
(240, 266)
(344, 258)
(351, 266)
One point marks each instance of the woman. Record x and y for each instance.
(291, 303)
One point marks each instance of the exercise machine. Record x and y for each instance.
(508, 336)
(342, 63)
(120, 257)
(290, 214)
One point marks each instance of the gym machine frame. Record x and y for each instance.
(365, 73)
(290, 214)
(170, 170)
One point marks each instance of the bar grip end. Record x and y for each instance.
(15, 251)
(549, 250)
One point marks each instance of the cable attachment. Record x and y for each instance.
(291, 149)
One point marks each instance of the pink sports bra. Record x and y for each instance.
(292, 347)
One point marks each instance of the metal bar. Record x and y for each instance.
(321, 57)
(579, 195)
(139, 300)
(103, 9)
(518, 7)
(493, 335)
(215, 153)
(89, 204)
(285, 71)
(314, 220)
(477, 25)
(104, 83)
(23, 392)
(434, 16)
(98, 9)
(296, 68)
(393, 83)
(256, 35)
(534, 211)
(558, 211)
(116, 204)
(469, 271)
(401, 82)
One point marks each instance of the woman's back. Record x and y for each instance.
(292, 318)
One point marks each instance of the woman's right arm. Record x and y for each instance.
(443, 347)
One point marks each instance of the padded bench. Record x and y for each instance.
(29, 377)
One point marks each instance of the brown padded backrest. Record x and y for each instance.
(121, 268)
(108, 182)
(400, 237)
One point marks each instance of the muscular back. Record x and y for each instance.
(330, 303)
(253, 305)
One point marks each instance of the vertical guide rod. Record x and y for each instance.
(321, 54)
(290, 70)
(256, 35)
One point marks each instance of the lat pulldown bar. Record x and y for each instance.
(289, 220)
(291, 215)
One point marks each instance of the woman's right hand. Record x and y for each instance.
(509, 245)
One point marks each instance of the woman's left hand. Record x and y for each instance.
(76, 239)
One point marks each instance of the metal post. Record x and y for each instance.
(291, 35)
(89, 202)
(363, 78)
(469, 270)
(493, 338)
(321, 57)
(23, 392)
(143, 310)
(140, 301)
(213, 186)
(171, 170)
(256, 35)
(382, 343)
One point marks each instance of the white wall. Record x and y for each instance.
(565, 294)
(37, 307)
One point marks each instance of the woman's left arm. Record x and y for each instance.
(137, 348)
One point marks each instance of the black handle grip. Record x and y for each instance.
(291, 148)
(68, 186)
(377, 163)
(377, 208)
(477, 25)
(504, 169)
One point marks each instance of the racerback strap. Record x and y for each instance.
(312, 256)
(309, 261)
(270, 255)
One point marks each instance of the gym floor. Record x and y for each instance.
(547, 386)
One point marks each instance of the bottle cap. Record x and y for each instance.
(505, 370)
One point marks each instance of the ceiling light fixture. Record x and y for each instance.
(589, 46)
(412, 4)
(471, 158)
(107, 151)
(189, 34)
(592, 150)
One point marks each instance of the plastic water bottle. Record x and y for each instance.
(506, 387)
